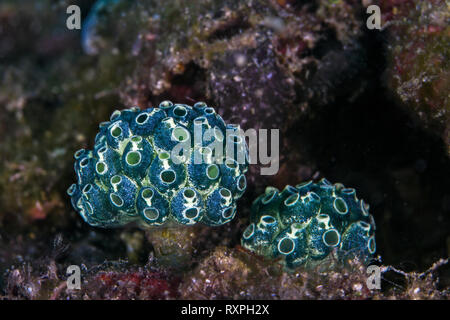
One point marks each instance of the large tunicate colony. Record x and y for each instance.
(304, 224)
(134, 174)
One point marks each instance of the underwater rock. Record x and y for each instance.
(240, 274)
(34, 54)
(226, 273)
(129, 285)
(109, 281)
(418, 72)
(36, 152)
(262, 63)
(33, 30)
(307, 224)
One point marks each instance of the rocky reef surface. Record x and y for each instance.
(368, 108)
(418, 66)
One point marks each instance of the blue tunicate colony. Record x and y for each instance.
(302, 225)
(132, 174)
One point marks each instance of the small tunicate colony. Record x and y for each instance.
(132, 175)
(302, 225)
